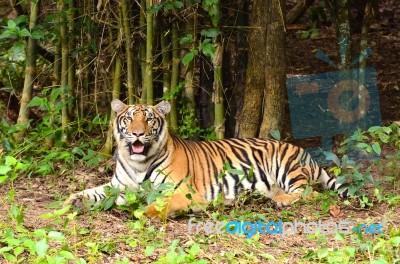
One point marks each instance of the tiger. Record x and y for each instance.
(146, 150)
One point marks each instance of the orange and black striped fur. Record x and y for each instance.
(146, 150)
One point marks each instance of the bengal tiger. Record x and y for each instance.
(146, 150)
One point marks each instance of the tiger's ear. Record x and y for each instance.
(117, 105)
(163, 107)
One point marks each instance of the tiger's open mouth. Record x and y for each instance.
(136, 147)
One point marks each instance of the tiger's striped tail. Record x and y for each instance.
(330, 183)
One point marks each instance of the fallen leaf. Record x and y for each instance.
(335, 211)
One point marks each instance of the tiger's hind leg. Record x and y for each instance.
(176, 203)
(294, 193)
(285, 199)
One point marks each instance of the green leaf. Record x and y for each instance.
(154, 8)
(66, 254)
(332, 156)
(18, 250)
(379, 261)
(24, 33)
(55, 93)
(322, 253)
(395, 241)
(178, 4)
(149, 250)
(377, 148)
(10, 257)
(21, 19)
(7, 34)
(186, 39)
(18, 50)
(41, 247)
(276, 134)
(81, 261)
(194, 250)
(11, 161)
(235, 171)
(37, 34)
(188, 58)
(210, 33)
(36, 101)
(4, 169)
(5, 249)
(208, 49)
(267, 256)
(56, 236)
(11, 24)
(362, 145)
(351, 251)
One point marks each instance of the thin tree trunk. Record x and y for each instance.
(298, 10)
(367, 21)
(166, 64)
(173, 124)
(71, 60)
(219, 112)
(148, 82)
(340, 10)
(30, 71)
(275, 69)
(128, 53)
(56, 81)
(255, 76)
(142, 51)
(115, 95)
(189, 88)
(64, 74)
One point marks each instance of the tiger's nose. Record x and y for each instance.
(138, 133)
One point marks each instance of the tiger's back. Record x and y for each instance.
(267, 166)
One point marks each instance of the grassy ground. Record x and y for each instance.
(116, 237)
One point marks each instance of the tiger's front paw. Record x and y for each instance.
(77, 200)
(152, 212)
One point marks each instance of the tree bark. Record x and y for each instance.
(275, 69)
(107, 150)
(249, 120)
(64, 74)
(340, 10)
(128, 53)
(174, 76)
(148, 82)
(298, 10)
(30, 71)
(218, 92)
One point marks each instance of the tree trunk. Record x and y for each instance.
(340, 10)
(218, 92)
(128, 53)
(30, 71)
(64, 74)
(275, 69)
(166, 63)
(249, 120)
(148, 82)
(71, 61)
(174, 76)
(107, 150)
(298, 10)
(189, 88)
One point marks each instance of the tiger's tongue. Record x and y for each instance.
(137, 147)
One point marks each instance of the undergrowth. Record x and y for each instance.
(360, 158)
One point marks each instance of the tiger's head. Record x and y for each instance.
(141, 129)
